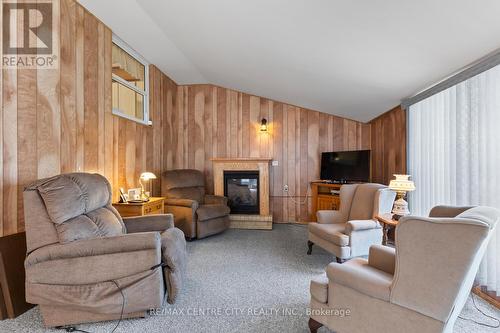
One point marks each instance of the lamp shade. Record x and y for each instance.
(402, 184)
(148, 176)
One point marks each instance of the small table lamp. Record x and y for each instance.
(145, 176)
(401, 185)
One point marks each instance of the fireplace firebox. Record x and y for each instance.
(242, 190)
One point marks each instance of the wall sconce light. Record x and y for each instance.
(263, 125)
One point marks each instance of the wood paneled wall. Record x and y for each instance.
(388, 144)
(56, 121)
(210, 121)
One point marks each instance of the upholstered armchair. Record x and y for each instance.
(420, 286)
(351, 230)
(85, 263)
(196, 213)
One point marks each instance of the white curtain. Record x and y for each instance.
(454, 155)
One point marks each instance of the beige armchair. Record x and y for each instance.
(351, 230)
(419, 287)
(84, 262)
(197, 214)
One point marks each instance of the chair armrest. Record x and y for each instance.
(358, 225)
(159, 222)
(182, 202)
(447, 211)
(94, 260)
(329, 216)
(382, 258)
(215, 200)
(96, 247)
(358, 275)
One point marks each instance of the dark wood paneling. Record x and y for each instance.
(12, 293)
(211, 122)
(388, 142)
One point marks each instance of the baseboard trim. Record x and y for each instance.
(488, 296)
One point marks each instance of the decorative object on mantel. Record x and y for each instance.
(401, 185)
(146, 176)
(261, 220)
(263, 125)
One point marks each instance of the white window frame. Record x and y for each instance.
(145, 93)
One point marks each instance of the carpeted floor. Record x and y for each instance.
(264, 273)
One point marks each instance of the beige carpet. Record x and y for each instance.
(241, 281)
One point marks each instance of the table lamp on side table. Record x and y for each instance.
(401, 185)
(145, 176)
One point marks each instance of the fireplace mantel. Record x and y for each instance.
(246, 221)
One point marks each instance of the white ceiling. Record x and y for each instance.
(351, 58)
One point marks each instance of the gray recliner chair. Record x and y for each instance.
(419, 287)
(196, 213)
(82, 255)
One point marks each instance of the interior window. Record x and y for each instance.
(130, 88)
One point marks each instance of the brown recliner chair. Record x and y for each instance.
(84, 262)
(197, 214)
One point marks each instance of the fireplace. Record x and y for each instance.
(242, 190)
(248, 190)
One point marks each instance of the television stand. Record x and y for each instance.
(325, 196)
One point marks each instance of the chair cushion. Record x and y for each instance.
(79, 205)
(358, 275)
(184, 184)
(333, 233)
(207, 212)
(69, 195)
(319, 288)
(363, 201)
(192, 193)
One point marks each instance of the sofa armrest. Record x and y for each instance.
(329, 216)
(383, 258)
(358, 275)
(182, 202)
(215, 200)
(358, 225)
(159, 222)
(96, 247)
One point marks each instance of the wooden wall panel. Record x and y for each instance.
(388, 141)
(212, 122)
(56, 121)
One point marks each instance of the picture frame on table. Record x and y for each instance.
(134, 194)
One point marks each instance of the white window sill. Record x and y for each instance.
(126, 116)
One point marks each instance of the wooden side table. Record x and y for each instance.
(155, 205)
(387, 222)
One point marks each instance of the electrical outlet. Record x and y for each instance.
(285, 188)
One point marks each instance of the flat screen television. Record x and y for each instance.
(346, 166)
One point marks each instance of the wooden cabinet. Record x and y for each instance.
(153, 206)
(323, 198)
